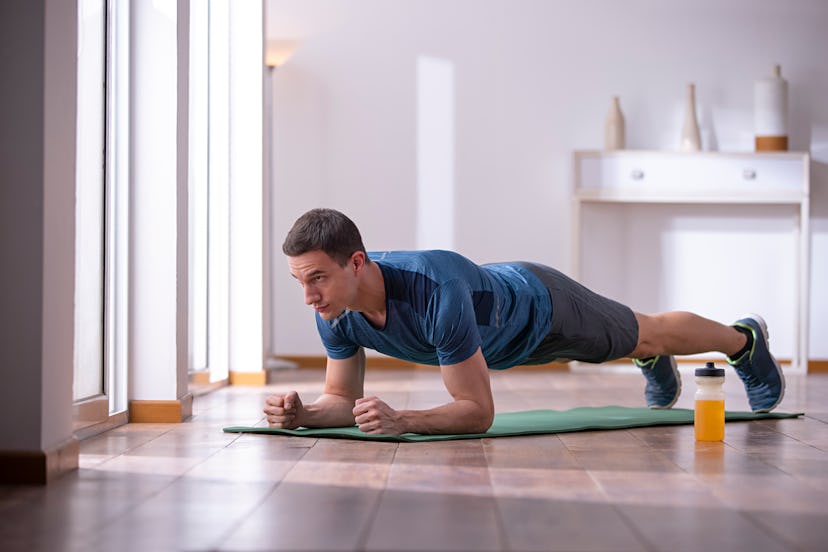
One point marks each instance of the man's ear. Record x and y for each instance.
(357, 261)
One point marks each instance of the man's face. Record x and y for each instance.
(329, 288)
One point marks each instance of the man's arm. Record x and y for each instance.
(334, 408)
(472, 410)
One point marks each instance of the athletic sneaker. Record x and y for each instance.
(663, 381)
(761, 374)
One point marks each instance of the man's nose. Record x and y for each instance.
(311, 295)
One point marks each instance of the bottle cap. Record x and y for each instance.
(710, 370)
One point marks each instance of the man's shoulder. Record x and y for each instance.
(436, 265)
(417, 257)
(420, 273)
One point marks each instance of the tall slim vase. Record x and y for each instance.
(614, 127)
(690, 135)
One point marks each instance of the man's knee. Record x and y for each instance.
(650, 342)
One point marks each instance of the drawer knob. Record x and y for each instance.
(637, 174)
(749, 174)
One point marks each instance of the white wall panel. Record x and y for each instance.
(533, 80)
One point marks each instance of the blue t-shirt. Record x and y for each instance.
(440, 307)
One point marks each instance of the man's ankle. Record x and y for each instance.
(737, 357)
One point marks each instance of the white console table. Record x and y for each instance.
(702, 179)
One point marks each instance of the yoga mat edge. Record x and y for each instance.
(531, 422)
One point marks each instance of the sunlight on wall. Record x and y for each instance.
(435, 153)
(88, 375)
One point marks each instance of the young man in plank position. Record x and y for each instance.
(439, 308)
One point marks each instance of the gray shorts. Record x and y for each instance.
(585, 326)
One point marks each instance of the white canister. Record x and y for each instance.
(770, 112)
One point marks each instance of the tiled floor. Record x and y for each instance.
(192, 487)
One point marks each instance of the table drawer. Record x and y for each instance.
(696, 173)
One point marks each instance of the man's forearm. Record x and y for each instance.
(458, 417)
(328, 411)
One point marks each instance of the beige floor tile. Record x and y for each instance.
(417, 521)
(533, 524)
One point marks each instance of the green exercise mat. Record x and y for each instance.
(532, 422)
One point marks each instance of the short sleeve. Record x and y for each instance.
(453, 323)
(336, 345)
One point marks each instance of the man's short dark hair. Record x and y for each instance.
(325, 230)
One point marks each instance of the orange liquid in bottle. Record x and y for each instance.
(709, 420)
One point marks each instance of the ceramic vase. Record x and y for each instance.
(690, 135)
(614, 127)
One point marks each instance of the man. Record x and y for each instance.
(439, 308)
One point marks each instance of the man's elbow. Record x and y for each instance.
(483, 421)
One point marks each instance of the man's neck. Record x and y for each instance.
(372, 295)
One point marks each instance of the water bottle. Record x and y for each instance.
(709, 415)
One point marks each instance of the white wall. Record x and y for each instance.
(532, 83)
(37, 224)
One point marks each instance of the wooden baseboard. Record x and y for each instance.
(200, 384)
(86, 431)
(817, 366)
(161, 412)
(319, 361)
(248, 378)
(90, 411)
(38, 467)
(553, 366)
(200, 378)
(390, 363)
(305, 361)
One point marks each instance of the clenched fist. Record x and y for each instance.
(284, 411)
(374, 416)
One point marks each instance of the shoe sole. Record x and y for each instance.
(676, 374)
(764, 327)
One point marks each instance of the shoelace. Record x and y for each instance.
(758, 389)
(746, 375)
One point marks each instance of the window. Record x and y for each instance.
(89, 207)
(101, 211)
(209, 171)
(225, 189)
